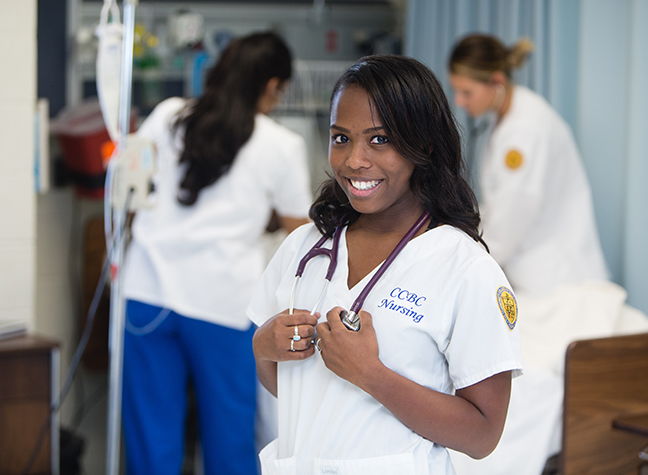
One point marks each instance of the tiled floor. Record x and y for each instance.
(91, 420)
(90, 424)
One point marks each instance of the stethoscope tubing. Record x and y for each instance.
(317, 250)
(291, 307)
(350, 319)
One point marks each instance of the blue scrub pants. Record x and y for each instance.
(159, 361)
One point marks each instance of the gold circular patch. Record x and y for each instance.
(508, 306)
(514, 159)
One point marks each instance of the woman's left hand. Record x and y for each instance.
(350, 355)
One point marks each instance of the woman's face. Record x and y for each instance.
(374, 176)
(475, 97)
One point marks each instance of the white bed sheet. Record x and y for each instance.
(533, 427)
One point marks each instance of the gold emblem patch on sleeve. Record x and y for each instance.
(508, 306)
(514, 159)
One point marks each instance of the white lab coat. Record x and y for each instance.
(438, 322)
(204, 260)
(536, 204)
(538, 222)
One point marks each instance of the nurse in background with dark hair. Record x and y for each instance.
(194, 259)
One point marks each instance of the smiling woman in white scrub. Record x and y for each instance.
(536, 203)
(431, 364)
(194, 259)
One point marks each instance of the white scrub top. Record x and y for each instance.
(537, 211)
(203, 261)
(443, 316)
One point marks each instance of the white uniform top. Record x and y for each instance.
(438, 322)
(537, 211)
(203, 261)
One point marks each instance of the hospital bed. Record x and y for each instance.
(534, 427)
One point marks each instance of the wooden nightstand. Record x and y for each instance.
(29, 374)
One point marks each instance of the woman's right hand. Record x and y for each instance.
(275, 339)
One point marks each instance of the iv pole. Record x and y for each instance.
(116, 336)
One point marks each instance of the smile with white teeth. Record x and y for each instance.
(364, 185)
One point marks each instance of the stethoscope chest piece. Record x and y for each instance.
(351, 320)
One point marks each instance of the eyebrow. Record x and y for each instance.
(366, 131)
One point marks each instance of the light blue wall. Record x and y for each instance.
(613, 132)
(603, 117)
(591, 63)
(635, 271)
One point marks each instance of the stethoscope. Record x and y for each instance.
(350, 319)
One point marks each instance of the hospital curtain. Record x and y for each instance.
(434, 26)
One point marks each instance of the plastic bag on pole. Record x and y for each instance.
(109, 67)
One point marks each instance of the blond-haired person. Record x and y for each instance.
(536, 204)
(538, 221)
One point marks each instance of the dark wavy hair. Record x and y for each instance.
(419, 123)
(219, 123)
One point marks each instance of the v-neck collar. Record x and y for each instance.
(343, 257)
